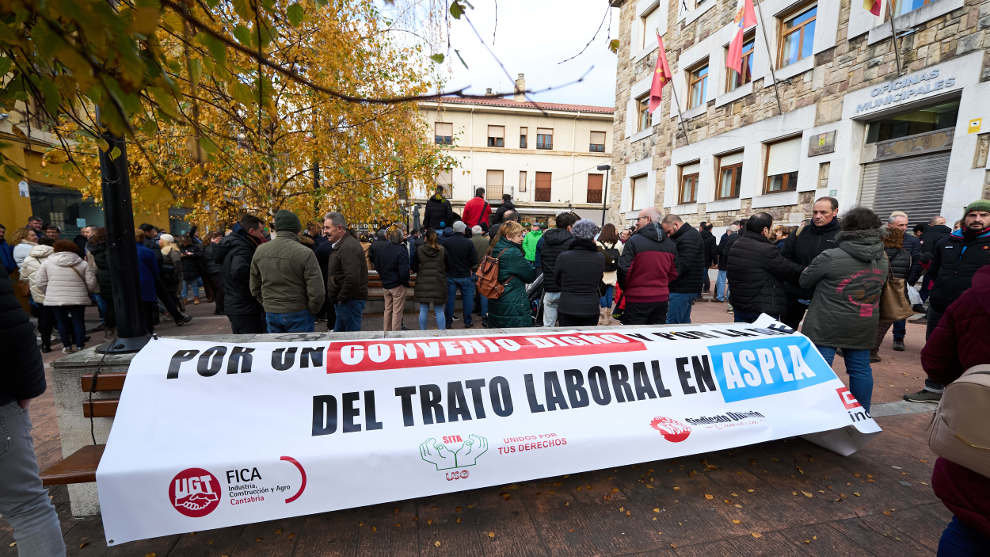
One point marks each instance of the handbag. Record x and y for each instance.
(894, 305)
(958, 430)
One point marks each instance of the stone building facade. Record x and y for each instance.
(841, 120)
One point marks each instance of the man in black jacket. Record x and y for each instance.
(935, 231)
(438, 211)
(803, 247)
(506, 206)
(711, 255)
(690, 264)
(551, 244)
(955, 259)
(460, 256)
(758, 271)
(24, 501)
(234, 254)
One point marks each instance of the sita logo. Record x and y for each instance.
(194, 492)
(672, 430)
(453, 452)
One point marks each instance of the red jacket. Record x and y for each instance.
(476, 211)
(647, 266)
(960, 342)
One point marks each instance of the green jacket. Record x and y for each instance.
(514, 271)
(847, 281)
(285, 276)
(529, 243)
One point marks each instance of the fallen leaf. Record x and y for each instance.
(436, 543)
(676, 488)
(278, 531)
(83, 544)
(656, 509)
(260, 539)
(736, 521)
(709, 496)
(429, 521)
(856, 493)
(458, 520)
(373, 529)
(756, 535)
(491, 535)
(807, 494)
(750, 490)
(152, 554)
(807, 541)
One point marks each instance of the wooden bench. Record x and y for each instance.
(80, 466)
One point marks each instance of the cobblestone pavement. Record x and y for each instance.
(784, 497)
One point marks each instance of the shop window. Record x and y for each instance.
(783, 160)
(687, 191)
(729, 175)
(923, 120)
(594, 188)
(444, 133)
(797, 35)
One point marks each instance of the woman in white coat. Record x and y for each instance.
(67, 281)
(46, 315)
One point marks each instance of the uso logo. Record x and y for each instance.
(672, 430)
(194, 492)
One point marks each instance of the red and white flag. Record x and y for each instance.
(745, 18)
(661, 76)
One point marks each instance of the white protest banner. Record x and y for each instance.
(212, 434)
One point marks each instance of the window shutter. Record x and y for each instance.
(731, 158)
(692, 168)
(496, 131)
(495, 178)
(445, 128)
(598, 138)
(544, 131)
(784, 157)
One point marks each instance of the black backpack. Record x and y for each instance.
(611, 258)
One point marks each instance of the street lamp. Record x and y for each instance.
(605, 168)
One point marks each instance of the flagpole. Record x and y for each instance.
(677, 102)
(763, 27)
(893, 38)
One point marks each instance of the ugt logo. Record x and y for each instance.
(194, 492)
(444, 456)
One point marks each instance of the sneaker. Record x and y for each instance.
(68, 350)
(924, 396)
(183, 320)
(899, 345)
(729, 309)
(455, 317)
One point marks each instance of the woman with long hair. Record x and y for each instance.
(23, 240)
(900, 267)
(511, 309)
(611, 247)
(171, 264)
(431, 280)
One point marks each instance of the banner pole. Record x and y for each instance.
(893, 37)
(677, 103)
(763, 27)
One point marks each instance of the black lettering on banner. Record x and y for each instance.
(370, 421)
(642, 382)
(555, 395)
(667, 336)
(210, 361)
(429, 402)
(658, 379)
(405, 394)
(240, 360)
(598, 385)
(176, 361)
(684, 375)
(640, 336)
(311, 355)
(475, 386)
(456, 403)
(347, 401)
(501, 396)
(574, 383)
(620, 382)
(703, 373)
(283, 358)
(534, 405)
(324, 415)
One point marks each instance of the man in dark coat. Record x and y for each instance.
(509, 215)
(438, 210)
(711, 255)
(758, 271)
(691, 267)
(722, 254)
(24, 501)
(935, 231)
(347, 274)
(551, 244)
(803, 247)
(646, 269)
(235, 253)
(506, 206)
(955, 259)
(460, 257)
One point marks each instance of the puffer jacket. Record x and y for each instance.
(431, 275)
(23, 374)
(757, 272)
(66, 280)
(234, 254)
(955, 260)
(805, 246)
(285, 276)
(100, 252)
(647, 266)
(553, 242)
(900, 262)
(847, 282)
(31, 264)
(690, 262)
(515, 272)
(579, 273)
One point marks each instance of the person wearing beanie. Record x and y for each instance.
(460, 257)
(955, 259)
(578, 272)
(286, 279)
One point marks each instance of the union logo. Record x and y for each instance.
(194, 492)
(672, 430)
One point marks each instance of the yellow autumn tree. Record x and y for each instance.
(245, 136)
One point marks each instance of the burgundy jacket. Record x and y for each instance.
(960, 342)
(647, 266)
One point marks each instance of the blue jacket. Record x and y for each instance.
(7, 256)
(392, 263)
(147, 273)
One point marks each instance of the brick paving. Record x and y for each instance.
(784, 497)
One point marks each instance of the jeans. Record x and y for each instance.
(931, 321)
(551, 303)
(606, 300)
(101, 305)
(721, 281)
(679, 309)
(644, 313)
(395, 301)
(859, 370)
(71, 324)
(247, 324)
(348, 315)
(466, 286)
(900, 329)
(23, 500)
(961, 540)
(482, 301)
(193, 285)
(424, 313)
(294, 322)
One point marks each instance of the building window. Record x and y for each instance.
(445, 178)
(522, 181)
(902, 7)
(687, 192)
(697, 85)
(651, 24)
(444, 133)
(643, 114)
(595, 188)
(783, 160)
(923, 120)
(729, 176)
(542, 185)
(797, 36)
(733, 79)
(523, 138)
(638, 193)
(544, 138)
(823, 170)
(597, 142)
(494, 183)
(496, 136)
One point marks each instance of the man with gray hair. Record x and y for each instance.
(646, 268)
(347, 274)
(899, 220)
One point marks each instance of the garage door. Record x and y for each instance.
(914, 185)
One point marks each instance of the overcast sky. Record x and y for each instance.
(532, 37)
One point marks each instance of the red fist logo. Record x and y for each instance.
(672, 430)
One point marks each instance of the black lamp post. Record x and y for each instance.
(605, 168)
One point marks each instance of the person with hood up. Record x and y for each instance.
(67, 281)
(431, 280)
(438, 211)
(234, 253)
(512, 308)
(554, 242)
(46, 315)
(646, 268)
(758, 271)
(846, 282)
(579, 272)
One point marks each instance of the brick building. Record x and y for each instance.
(848, 124)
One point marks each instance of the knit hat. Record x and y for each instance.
(287, 221)
(585, 229)
(459, 227)
(981, 205)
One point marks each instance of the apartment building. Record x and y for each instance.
(825, 104)
(546, 155)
